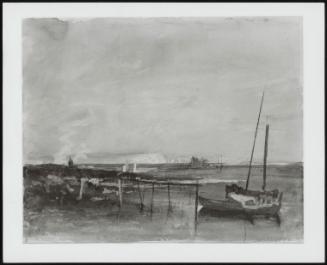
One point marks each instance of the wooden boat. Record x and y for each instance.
(250, 206)
(228, 206)
(249, 202)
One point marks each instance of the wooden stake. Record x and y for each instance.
(120, 192)
(141, 198)
(169, 206)
(196, 207)
(83, 181)
(151, 209)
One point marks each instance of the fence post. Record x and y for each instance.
(120, 192)
(196, 207)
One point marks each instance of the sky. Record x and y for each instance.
(161, 89)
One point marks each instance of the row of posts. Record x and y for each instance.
(141, 196)
(120, 194)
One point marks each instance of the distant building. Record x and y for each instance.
(70, 162)
(198, 163)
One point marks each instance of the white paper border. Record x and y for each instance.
(313, 247)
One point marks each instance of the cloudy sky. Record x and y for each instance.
(166, 87)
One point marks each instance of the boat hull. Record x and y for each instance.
(229, 206)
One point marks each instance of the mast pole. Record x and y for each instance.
(265, 158)
(255, 137)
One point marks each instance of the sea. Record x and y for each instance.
(169, 215)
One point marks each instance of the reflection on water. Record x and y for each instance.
(206, 214)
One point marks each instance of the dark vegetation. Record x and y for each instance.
(58, 183)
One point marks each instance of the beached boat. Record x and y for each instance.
(249, 202)
(245, 204)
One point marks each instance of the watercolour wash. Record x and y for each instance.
(162, 130)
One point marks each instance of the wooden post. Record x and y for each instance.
(169, 205)
(141, 198)
(120, 192)
(152, 196)
(196, 207)
(83, 181)
(151, 209)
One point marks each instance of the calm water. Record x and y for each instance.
(104, 221)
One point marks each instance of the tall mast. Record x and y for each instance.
(265, 157)
(255, 137)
